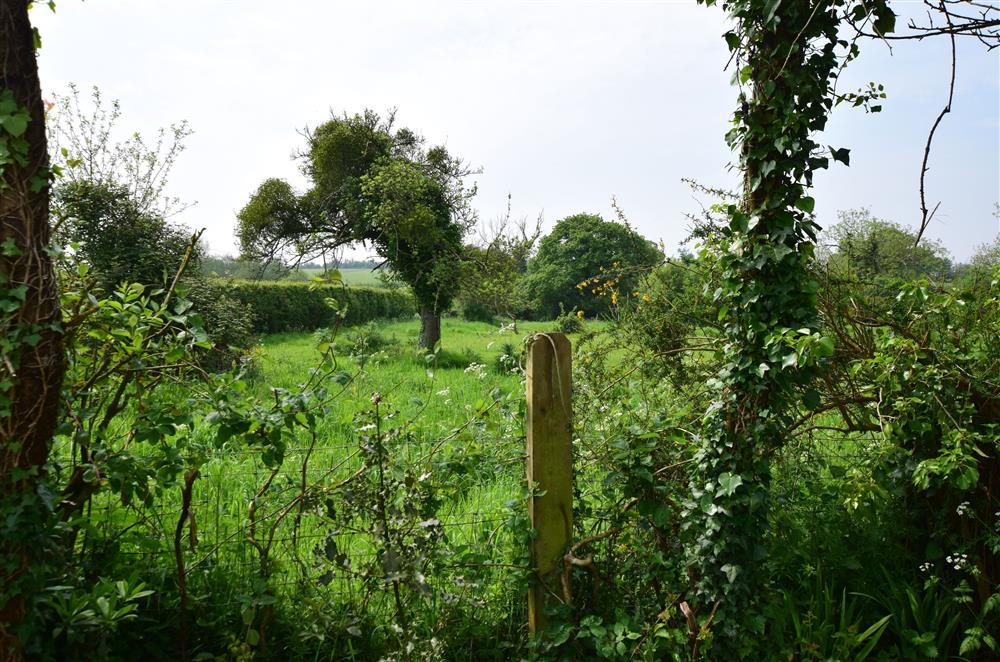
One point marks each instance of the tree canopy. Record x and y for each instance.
(377, 185)
(876, 248)
(120, 240)
(580, 247)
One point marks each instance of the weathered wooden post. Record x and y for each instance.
(550, 464)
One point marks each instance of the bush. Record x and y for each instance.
(571, 322)
(510, 359)
(366, 340)
(291, 306)
(227, 321)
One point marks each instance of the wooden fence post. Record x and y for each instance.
(550, 465)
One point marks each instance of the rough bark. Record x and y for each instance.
(34, 363)
(430, 327)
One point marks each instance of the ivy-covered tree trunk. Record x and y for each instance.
(787, 59)
(32, 365)
(430, 327)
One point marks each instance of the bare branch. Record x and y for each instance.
(925, 216)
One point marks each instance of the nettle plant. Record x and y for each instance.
(787, 57)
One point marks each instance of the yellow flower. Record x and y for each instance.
(579, 314)
(645, 297)
(614, 298)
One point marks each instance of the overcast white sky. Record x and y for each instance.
(563, 104)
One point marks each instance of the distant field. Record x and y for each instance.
(361, 277)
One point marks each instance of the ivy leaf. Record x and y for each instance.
(728, 483)
(885, 20)
(15, 123)
(842, 154)
(731, 572)
(806, 204)
(732, 40)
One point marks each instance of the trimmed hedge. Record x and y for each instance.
(292, 306)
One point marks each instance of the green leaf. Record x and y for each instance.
(728, 483)
(770, 8)
(824, 346)
(15, 124)
(731, 572)
(806, 204)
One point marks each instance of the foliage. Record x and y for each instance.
(31, 347)
(925, 621)
(376, 184)
(227, 321)
(579, 248)
(412, 225)
(824, 628)
(365, 340)
(226, 266)
(123, 243)
(570, 321)
(492, 273)
(788, 55)
(291, 306)
(874, 248)
(273, 214)
(83, 146)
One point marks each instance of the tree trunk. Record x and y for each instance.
(32, 368)
(430, 328)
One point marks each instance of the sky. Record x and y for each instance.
(563, 105)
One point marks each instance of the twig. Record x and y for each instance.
(925, 216)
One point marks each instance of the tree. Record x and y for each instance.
(81, 146)
(788, 57)
(33, 364)
(118, 238)
(111, 198)
(494, 269)
(371, 184)
(581, 247)
(873, 248)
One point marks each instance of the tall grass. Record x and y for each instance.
(444, 400)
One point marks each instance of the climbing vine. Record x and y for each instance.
(787, 58)
(32, 364)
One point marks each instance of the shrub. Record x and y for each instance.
(571, 322)
(367, 339)
(227, 321)
(292, 306)
(509, 360)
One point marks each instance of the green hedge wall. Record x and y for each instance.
(292, 306)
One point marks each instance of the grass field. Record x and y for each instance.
(357, 277)
(462, 416)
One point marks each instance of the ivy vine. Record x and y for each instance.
(788, 56)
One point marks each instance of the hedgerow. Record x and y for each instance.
(293, 306)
